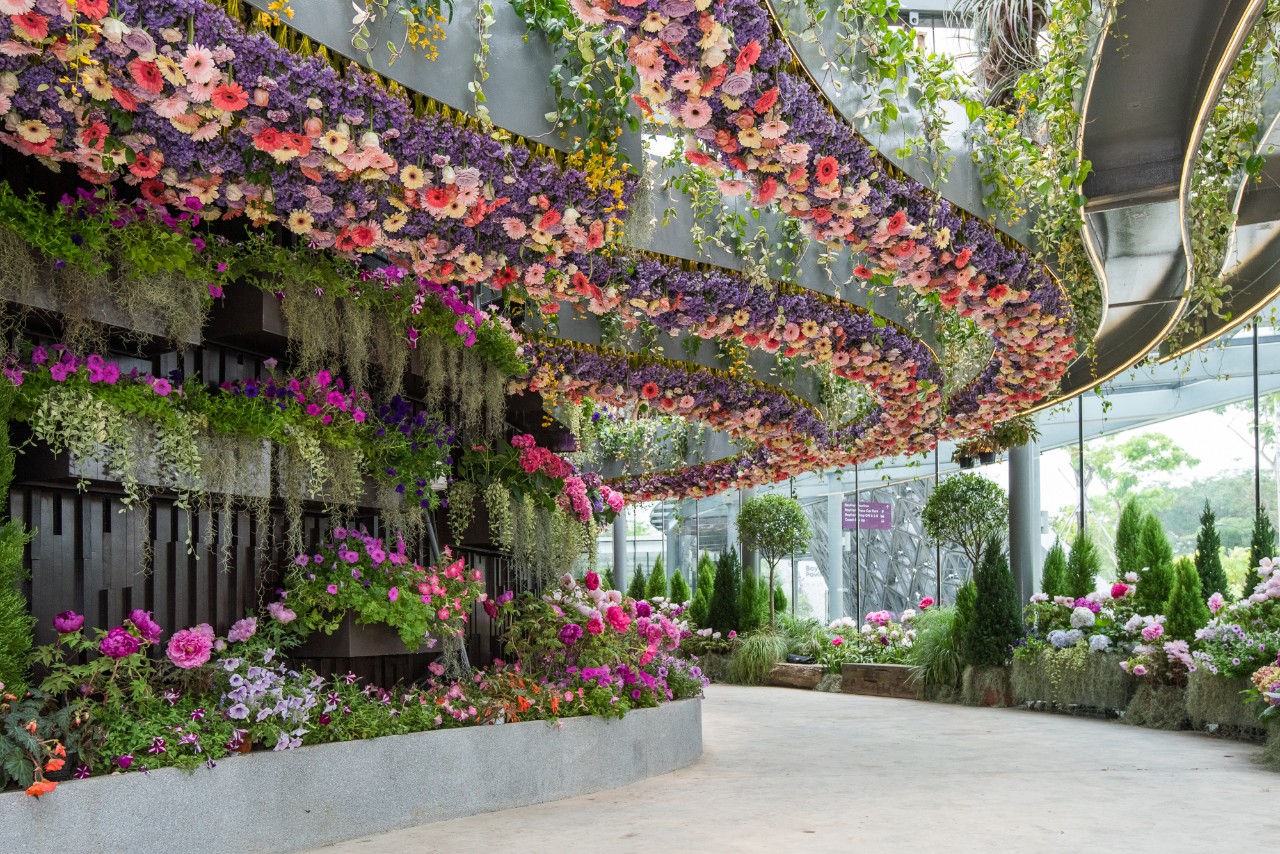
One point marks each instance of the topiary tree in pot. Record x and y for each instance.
(775, 526)
(966, 511)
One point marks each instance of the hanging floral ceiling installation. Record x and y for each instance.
(179, 100)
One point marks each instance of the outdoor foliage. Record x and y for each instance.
(1054, 580)
(723, 609)
(1082, 566)
(16, 623)
(966, 510)
(775, 526)
(1155, 580)
(1262, 545)
(1187, 611)
(639, 588)
(657, 585)
(1209, 555)
(1129, 539)
(679, 593)
(997, 615)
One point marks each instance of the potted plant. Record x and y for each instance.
(491, 478)
(363, 596)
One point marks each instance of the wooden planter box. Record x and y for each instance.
(785, 675)
(38, 464)
(354, 640)
(250, 319)
(879, 680)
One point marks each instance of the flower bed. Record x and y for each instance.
(279, 800)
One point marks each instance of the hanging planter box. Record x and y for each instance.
(355, 640)
(986, 457)
(249, 318)
(252, 478)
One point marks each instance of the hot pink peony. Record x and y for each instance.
(188, 649)
(617, 618)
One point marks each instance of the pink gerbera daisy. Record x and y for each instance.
(198, 64)
(695, 113)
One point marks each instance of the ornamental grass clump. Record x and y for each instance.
(754, 655)
(935, 654)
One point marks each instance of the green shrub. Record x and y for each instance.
(1262, 544)
(679, 589)
(966, 510)
(700, 609)
(779, 600)
(657, 585)
(16, 623)
(966, 600)
(638, 589)
(754, 656)
(1082, 566)
(750, 602)
(997, 617)
(1209, 555)
(935, 654)
(1054, 582)
(1129, 539)
(723, 607)
(1187, 610)
(706, 578)
(1155, 583)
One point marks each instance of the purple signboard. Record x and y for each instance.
(868, 515)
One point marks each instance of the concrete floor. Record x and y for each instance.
(787, 770)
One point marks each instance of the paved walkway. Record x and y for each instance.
(787, 770)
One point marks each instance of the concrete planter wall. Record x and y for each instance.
(315, 796)
(879, 680)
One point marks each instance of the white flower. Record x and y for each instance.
(1098, 643)
(1082, 618)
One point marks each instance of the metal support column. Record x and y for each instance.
(1257, 431)
(1024, 518)
(620, 551)
(835, 557)
(1080, 451)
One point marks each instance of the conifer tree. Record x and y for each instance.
(1187, 610)
(679, 589)
(1054, 581)
(997, 617)
(657, 584)
(700, 609)
(706, 578)
(1209, 555)
(638, 588)
(1262, 545)
(722, 613)
(1129, 539)
(1155, 583)
(1082, 566)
